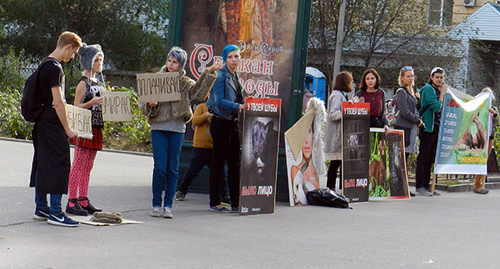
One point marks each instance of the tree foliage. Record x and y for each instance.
(382, 34)
(132, 33)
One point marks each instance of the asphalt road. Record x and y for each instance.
(454, 230)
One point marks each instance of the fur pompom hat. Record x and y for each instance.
(88, 54)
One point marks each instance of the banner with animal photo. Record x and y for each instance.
(302, 154)
(259, 161)
(355, 150)
(463, 134)
(80, 120)
(116, 106)
(387, 169)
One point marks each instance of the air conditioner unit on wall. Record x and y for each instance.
(469, 3)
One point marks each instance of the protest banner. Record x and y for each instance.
(80, 120)
(116, 106)
(387, 168)
(163, 87)
(259, 164)
(355, 150)
(302, 166)
(463, 138)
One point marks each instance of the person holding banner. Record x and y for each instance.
(51, 161)
(479, 179)
(407, 117)
(87, 95)
(333, 128)
(431, 99)
(224, 103)
(369, 92)
(168, 125)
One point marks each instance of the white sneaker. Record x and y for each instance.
(156, 212)
(167, 213)
(422, 192)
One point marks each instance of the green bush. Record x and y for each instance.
(10, 71)
(130, 135)
(12, 123)
(133, 135)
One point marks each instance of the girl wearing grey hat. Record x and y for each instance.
(87, 96)
(168, 124)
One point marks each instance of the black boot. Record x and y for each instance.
(77, 209)
(90, 208)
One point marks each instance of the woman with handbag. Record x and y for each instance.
(407, 117)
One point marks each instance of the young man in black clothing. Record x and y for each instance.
(51, 161)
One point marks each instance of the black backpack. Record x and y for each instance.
(32, 106)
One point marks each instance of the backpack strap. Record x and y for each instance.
(46, 60)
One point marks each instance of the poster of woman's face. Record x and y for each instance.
(301, 164)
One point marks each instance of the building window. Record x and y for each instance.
(440, 13)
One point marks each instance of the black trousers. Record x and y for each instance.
(332, 174)
(226, 139)
(200, 158)
(425, 159)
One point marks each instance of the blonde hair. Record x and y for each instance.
(404, 85)
(69, 38)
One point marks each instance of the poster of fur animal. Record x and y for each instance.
(387, 167)
(463, 134)
(259, 162)
(355, 150)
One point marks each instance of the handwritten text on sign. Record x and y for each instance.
(163, 87)
(79, 120)
(116, 106)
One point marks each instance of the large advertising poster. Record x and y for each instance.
(301, 159)
(387, 169)
(463, 134)
(259, 162)
(263, 29)
(355, 150)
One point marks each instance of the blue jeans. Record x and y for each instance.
(166, 152)
(41, 200)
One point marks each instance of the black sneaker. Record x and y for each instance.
(77, 209)
(225, 201)
(61, 219)
(179, 196)
(41, 214)
(90, 208)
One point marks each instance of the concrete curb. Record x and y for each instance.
(462, 187)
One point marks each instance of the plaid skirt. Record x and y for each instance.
(95, 143)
